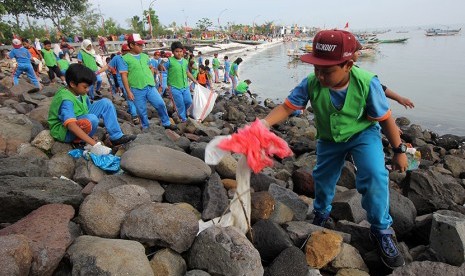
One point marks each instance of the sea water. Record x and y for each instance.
(428, 70)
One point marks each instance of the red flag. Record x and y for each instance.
(346, 26)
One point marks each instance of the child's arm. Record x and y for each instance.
(76, 130)
(278, 114)
(398, 98)
(124, 78)
(191, 77)
(390, 129)
(103, 69)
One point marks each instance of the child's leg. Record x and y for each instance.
(104, 109)
(178, 99)
(90, 93)
(31, 74)
(88, 123)
(372, 177)
(18, 71)
(156, 101)
(51, 74)
(187, 98)
(131, 106)
(99, 82)
(226, 76)
(217, 75)
(234, 83)
(57, 72)
(330, 160)
(140, 101)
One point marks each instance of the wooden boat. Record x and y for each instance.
(442, 32)
(295, 54)
(397, 40)
(248, 42)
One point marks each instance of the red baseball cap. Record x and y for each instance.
(17, 43)
(156, 53)
(125, 47)
(135, 38)
(332, 47)
(168, 54)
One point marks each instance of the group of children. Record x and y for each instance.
(349, 104)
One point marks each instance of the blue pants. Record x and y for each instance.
(233, 84)
(29, 70)
(149, 94)
(371, 180)
(102, 109)
(92, 87)
(131, 106)
(226, 76)
(183, 100)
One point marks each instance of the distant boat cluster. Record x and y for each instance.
(442, 32)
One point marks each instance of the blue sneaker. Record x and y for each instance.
(320, 219)
(386, 244)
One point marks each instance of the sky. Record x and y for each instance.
(361, 14)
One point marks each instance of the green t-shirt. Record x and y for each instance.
(63, 64)
(49, 57)
(242, 87)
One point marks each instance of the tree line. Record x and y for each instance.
(67, 18)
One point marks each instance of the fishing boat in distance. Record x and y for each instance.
(396, 40)
(248, 42)
(442, 32)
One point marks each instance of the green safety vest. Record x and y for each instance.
(89, 61)
(216, 63)
(340, 125)
(177, 73)
(242, 87)
(49, 57)
(64, 64)
(139, 73)
(57, 129)
(232, 71)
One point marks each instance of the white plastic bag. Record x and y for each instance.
(240, 208)
(203, 102)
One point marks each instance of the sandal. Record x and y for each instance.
(135, 120)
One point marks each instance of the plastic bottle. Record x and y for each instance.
(413, 157)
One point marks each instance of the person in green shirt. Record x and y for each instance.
(51, 62)
(87, 57)
(242, 88)
(216, 67)
(63, 63)
(138, 80)
(73, 119)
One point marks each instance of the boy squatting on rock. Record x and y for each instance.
(73, 119)
(349, 106)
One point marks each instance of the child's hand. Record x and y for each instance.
(399, 162)
(130, 95)
(406, 102)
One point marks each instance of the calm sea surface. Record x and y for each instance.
(428, 70)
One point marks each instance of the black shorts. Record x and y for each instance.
(54, 70)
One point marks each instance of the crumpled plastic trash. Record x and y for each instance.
(258, 143)
(108, 162)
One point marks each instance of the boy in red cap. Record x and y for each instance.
(350, 108)
(140, 85)
(23, 60)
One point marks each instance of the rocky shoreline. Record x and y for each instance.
(65, 216)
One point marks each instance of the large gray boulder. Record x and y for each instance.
(111, 181)
(224, 251)
(102, 213)
(164, 164)
(161, 224)
(428, 268)
(447, 236)
(36, 191)
(90, 255)
(16, 130)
